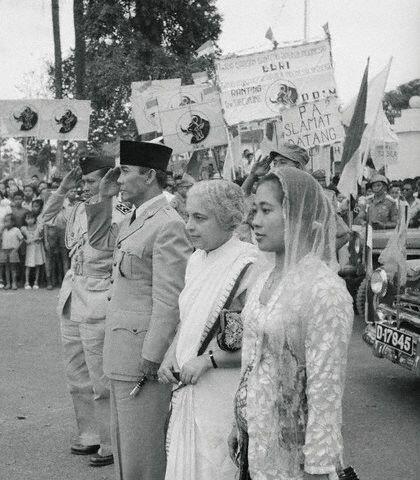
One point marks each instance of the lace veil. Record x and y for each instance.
(310, 225)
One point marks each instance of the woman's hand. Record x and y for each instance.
(167, 369)
(193, 369)
(233, 446)
(261, 167)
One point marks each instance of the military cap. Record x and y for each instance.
(292, 152)
(378, 178)
(91, 162)
(145, 154)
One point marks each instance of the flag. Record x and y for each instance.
(194, 126)
(200, 77)
(269, 34)
(208, 48)
(350, 160)
(326, 29)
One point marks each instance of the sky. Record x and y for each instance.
(359, 29)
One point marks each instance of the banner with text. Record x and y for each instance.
(312, 124)
(194, 126)
(45, 119)
(260, 85)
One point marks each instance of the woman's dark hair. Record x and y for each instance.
(273, 179)
(38, 201)
(19, 193)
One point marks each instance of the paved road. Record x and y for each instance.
(381, 408)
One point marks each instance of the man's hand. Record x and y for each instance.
(148, 368)
(193, 369)
(71, 180)
(261, 167)
(109, 187)
(167, 368)
(233, 446)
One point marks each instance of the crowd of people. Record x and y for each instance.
(195, 348)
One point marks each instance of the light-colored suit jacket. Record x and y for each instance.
(88, 280)
(150, 258)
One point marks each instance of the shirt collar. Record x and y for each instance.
(144, 206)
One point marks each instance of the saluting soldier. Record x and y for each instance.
(81, 308)
(383, 211)
(150, 257)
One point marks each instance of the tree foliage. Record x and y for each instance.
(396, 100)
(132, 40)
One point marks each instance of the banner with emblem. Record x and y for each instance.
(260, 85)
(143, 102)
(45, 119)
(195, 126)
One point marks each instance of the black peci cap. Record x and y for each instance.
(145, 154)
(90, 163)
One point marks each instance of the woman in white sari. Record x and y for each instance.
(297, 327)
(202, 401)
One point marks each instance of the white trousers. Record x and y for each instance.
(89, 387)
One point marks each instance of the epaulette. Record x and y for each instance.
(122, 208)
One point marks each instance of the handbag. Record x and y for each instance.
(228, 326)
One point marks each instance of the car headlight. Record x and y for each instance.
(379, 282)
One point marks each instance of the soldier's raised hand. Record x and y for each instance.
(109, 186)
(71, 179)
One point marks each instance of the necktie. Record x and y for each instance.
(133, 217)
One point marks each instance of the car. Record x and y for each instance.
(392, 304)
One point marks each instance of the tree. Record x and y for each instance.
(58, 70)
(131, 40)
(396, 100)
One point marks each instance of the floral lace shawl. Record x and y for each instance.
(294, 352)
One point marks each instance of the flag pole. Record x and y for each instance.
(305, 21)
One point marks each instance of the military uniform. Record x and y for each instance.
(383, 212)
(150, 258)
(81, 309)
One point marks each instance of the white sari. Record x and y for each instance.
(202, 414)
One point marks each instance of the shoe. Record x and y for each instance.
(100, 461)
(1, 286)
(78, 449)
(35, 287)
(14, 286)
(28, 287)
(49, 287)
(7, 286)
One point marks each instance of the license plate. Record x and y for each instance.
(395, 339)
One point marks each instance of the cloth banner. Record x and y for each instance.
(312, 124)
(147, 104)
(194, 126)
(260, 85)
(45, 119)
(143, 93)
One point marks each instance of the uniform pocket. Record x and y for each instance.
(98, 284)
(131, 265)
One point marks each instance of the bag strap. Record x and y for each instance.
(215, 327)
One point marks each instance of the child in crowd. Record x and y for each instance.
(35, 255)
(11, 239)
(37, 206)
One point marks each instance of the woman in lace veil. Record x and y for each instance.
(298, 321)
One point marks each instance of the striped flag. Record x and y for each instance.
(351, 158)
(207, 48)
